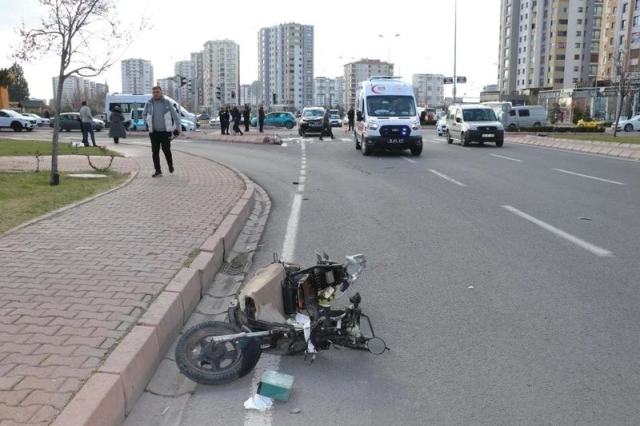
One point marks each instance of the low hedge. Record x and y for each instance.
(554, 129)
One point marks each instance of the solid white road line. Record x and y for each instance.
(506, 158)
(346, 139)
(590, 177)
(443, 176)
(560, 233)
(409, 160)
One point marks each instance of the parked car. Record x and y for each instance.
(335, 120)
(311, 120)
(188, 126)
(277, 119)
(215, 122)
(71, 121)
(204, 117)
(630, 125)
(41, 122)
(441, 125)
(10, 119)
(591, 123)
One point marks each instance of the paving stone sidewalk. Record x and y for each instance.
(72, 285)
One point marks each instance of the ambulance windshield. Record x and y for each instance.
(391, 106)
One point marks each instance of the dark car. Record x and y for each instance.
(310, 121)
(204, 117)
(71, 121)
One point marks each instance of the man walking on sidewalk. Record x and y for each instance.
(162, 119)
(87, 125)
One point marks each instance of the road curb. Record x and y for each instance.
(605, 149)
(111, 393)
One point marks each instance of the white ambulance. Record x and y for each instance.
(387, 116)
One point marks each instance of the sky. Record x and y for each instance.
(344, 31)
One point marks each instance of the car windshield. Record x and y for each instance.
(13, 113)
(389, 105)
(480, 114)
(335, 116)
(313, 113)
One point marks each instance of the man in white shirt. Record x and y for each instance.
(87, 125)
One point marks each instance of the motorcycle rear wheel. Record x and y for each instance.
(208, 363)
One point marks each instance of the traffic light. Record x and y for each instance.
(233, 94)
(218, 93)
(274, 97)
(183, 81)
(189, 85)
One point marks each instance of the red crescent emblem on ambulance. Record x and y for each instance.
(377, 88)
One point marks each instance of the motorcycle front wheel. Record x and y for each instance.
(210, 363)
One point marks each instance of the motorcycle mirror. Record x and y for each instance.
(376, 346)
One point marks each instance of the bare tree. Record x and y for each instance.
(626, 77)
(87, 37)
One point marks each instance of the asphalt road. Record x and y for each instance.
(504, 280)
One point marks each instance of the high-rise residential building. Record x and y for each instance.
(620, 36)
(185, 69)
(547, 44)
(429, 88)
(246, 97)
(361, 70)
(168, 86)
(285, 65)
(340, 93)
(198, 73)
(77, 88)
(221, 73)
(137, 76)
(324, 92)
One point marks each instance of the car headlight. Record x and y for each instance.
(373, 126)
(415, 125)
(472, 127)
(500, 128)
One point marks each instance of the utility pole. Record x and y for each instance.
(455, 45)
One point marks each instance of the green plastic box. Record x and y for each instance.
(275, 385)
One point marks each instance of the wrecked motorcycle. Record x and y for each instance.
(287, 309)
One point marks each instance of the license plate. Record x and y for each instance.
(487, 135)
(314, 125)
(394, 140)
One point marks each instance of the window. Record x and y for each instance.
(577, 45)
(523, 113)
(578, 33)
(623, 24)
(576, 68)
(636, 19)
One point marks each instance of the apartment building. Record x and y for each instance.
(340, 92)
(221, 73)
(285, 65)
(361, 70)
(169, 87)
(547, 44)
(137, 76)
(620, 41)
(324, 92)
(429, 89)
(185, 69)
(77, 88)
(198, 72)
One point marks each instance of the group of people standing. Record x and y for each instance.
(227, 114)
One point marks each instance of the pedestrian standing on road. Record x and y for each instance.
(245, 115)
(47, 114)
(116, 128)
(326, 125)
(261, 118)
(227, 120)
(162, 119)
(86, 121)
(235, 112)
(221, 119)
(350, 118)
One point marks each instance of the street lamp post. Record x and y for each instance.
(389, 51)
(455, 45)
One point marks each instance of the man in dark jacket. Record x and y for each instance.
(245, 115)
(350, 117)
(261, 118)
(326, 125)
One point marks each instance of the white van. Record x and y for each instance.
(130, 103)
(387, 116)
(527, 116)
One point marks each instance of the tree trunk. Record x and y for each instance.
(55, 176)
(620, 103)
